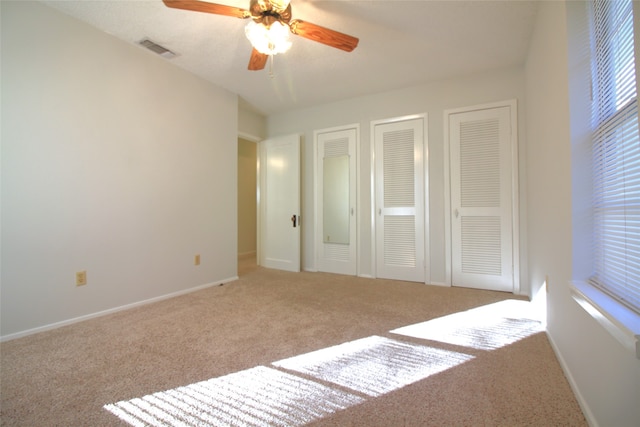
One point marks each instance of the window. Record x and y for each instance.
(616, 153)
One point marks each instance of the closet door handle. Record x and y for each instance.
(294, 220)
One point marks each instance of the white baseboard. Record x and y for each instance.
(111, 310)
(446, 285)
(576, 391)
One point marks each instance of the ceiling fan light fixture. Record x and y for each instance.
(269, 40)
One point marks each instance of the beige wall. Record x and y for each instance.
(604, 375)
(114, 161)
(247, 218)
(251, 124)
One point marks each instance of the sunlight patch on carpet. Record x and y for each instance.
(374, 365)
(258, 396)
(484, 328)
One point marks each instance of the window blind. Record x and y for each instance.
(616, 152)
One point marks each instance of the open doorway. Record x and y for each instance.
(247, 204)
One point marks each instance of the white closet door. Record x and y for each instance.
(481, 199)
(336, 240)
(399, 199)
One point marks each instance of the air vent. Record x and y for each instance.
(156, 48)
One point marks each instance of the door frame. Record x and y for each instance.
(425, 166)
(515, 199)
(256, 140)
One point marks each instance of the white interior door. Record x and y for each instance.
(336, 239)
(279, 200)
(399, 153)
(481, 199)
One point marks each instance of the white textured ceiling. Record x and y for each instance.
(402, 44)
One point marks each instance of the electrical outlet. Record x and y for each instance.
(196, 260)
(81, 278)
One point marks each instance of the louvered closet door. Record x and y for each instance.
(399, 204)
(481, 194)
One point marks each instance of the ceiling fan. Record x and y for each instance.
(270, 27)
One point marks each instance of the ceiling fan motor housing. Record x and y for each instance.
(266, 12)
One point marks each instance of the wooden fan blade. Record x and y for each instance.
(203, 6)
(323, 35)
(257, 61)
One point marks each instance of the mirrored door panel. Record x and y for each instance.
(335, 151)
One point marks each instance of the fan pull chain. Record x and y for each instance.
(271, 73)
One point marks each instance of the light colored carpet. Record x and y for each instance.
(278, 348)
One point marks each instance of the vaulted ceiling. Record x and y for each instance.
(402, 44)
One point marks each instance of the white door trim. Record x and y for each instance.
(515, 200)
(250, 137)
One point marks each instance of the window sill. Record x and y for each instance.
(618, 320)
